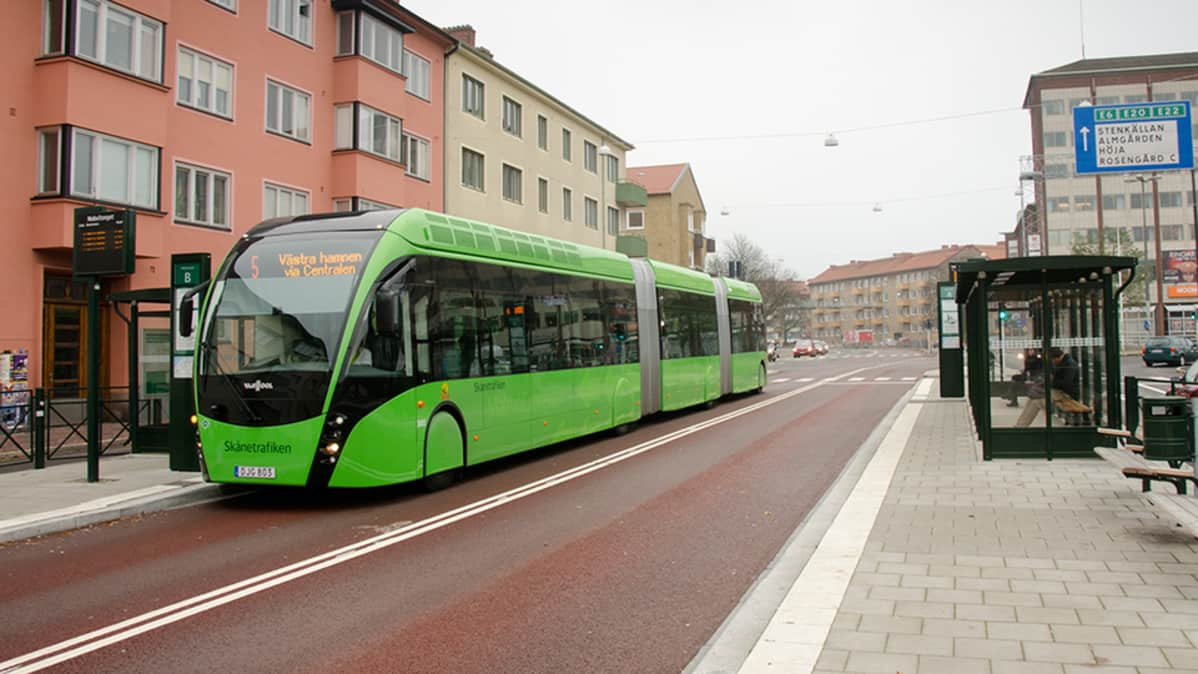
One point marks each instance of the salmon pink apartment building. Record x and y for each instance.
(205, 117)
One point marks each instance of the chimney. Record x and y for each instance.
(463, 34)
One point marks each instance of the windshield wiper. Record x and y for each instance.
(209, 349)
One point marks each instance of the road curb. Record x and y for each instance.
(110, 508)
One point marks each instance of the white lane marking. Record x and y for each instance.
(126, 629)
(909, 378)
(795, 635)
(805, 379)
(856, 379)
(882, 379)
(781, 381)
(1150, 387)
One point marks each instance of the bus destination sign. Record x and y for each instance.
(104, 241)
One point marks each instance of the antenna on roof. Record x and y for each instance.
(1081, 12)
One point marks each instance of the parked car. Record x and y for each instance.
(821, 347)
(805, 347)
(1171, 350)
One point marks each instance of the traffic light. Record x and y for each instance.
(1002, 314)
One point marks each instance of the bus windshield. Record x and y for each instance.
(281, 305)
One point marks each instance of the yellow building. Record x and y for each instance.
(673, 222)
(516, 156)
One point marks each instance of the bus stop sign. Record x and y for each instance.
(1132, 138)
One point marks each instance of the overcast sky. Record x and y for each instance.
(700, 82)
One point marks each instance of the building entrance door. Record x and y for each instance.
(64, 338)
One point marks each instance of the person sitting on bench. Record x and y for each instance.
(1065, 387)
(1033, 369)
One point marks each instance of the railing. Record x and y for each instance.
(55, 425)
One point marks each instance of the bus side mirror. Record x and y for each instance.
(386, 311)
(186, 308)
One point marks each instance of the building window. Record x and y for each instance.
(112, 36)
(280, 202)
(292, 18)
(590, 213)
(1058, 205)
(473, 97)
(49, 153)
(379, 133)
(347, 204)
(513, 117)
(1170, 199)
(1171, 232)
(205, 83)
(542, 132)
(1053, 107)
(590, 156)
(230, 5)
(567, 204)
(473, 169)
(380, 43)
(613, 220)
(1136, 98)
(53, 27)
(566, 145)
(1056, 139)
(288, 111)
(513, 184)
(416, 69)
(1114, 202)
(1142, 200)
(542, 195)
(201, 196)
(112, 169)
(418, 156)
(636, 219)
(1084, 202)
(1056, 170)
(613, 168)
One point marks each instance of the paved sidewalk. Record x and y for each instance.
(59, 497)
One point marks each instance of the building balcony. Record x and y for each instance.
(631, 195)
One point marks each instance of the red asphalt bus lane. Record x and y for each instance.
(642, 560)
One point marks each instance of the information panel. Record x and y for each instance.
(1130, 138)
(104, 241)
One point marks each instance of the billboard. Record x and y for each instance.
(1179, 266)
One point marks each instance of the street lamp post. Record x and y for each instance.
(1144, 234)
(1033, 176)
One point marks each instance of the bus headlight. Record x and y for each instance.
(331, 449)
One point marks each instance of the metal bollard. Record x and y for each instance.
(39, 428)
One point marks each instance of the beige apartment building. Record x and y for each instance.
(517, 157)
(885, 301)
(672, 225)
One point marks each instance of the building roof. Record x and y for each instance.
(660, 179)
(902, 262)
(1120, 65)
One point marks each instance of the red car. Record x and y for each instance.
(805, 347)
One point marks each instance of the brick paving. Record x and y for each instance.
(1014, 567)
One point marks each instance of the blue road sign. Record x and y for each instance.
(1133, 138)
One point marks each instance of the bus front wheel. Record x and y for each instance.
(444, 451)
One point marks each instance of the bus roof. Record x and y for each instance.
(741, 290)
(476, 239)
(681, 278)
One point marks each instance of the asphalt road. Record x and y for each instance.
(627, 560)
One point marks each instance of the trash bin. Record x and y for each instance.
(1167, 429)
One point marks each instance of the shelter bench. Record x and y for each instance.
(1130, 460)
(1183, 508)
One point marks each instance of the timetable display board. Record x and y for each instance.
(104, 243)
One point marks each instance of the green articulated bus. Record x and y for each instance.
(372, 348)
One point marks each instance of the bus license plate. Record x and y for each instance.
(261, 472)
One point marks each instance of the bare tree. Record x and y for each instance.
(780, 296)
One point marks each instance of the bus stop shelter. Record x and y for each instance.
(1042, 351)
